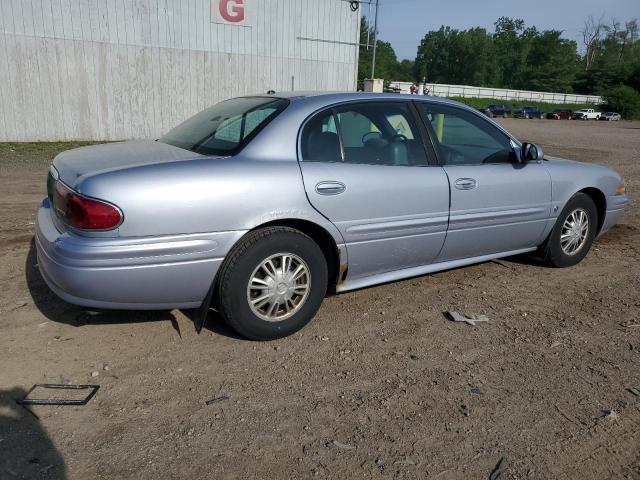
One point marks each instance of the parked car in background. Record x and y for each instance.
(586, 114)
(528, 112)
(560, 114)
(610, 116)
(262, 204)
(496, 110)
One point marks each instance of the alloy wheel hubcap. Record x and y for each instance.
(574, 232)
(279, 287)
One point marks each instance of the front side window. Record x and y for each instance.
(465, 138)
(226, 127)
(375, 133)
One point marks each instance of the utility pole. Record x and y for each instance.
(375, 41)
(368, 29)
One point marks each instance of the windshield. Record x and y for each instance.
(226, 127)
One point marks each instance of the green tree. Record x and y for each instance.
(516, 56)
(624, 100)
(512, 57)
(406, 72)
(453, 56)
(614, 58)
(511, 48)
(551, 63)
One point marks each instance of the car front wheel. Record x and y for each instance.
(272, 283)
(573, 233)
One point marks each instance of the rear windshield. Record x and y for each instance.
(226, 127)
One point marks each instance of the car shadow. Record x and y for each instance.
(44, 299)
(57, 310)
(26, 450)
(532, 259)
(214, 323)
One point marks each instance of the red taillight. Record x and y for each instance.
(82, 212)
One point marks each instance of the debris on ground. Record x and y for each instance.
(629, 324)
(469, 320)
(342, 446)
(634, 391)
(499, 469)
(211, 401)
(59, 401)
(610, 415)
(95, 373)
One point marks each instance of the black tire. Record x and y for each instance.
(552, 253)
(240, 264)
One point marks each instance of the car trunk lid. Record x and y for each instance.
(73, 165)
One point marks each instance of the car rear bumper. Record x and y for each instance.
(615, 210)
(129, 273)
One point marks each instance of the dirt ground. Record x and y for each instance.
(379, 385)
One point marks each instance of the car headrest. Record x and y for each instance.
(323, 147)
(398, 152)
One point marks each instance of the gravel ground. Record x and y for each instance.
(379, 385)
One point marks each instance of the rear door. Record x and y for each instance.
(498, 204)
(366, 168)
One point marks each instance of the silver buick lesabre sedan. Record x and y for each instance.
(260, 205)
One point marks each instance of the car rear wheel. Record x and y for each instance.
(572, 235)
(272, 283)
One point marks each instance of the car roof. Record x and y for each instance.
(333, 97)
(303, 105)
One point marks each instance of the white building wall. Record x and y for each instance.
(119, 69)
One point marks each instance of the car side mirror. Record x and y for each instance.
(531, 152)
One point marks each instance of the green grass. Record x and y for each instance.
(34, 153)
(516, 104)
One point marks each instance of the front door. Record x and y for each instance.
(365, 168)
(498, 204)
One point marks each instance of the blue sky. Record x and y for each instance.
(404, 22)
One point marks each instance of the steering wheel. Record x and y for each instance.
(367, 137)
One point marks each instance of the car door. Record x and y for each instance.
(365, 167)
(498, 204)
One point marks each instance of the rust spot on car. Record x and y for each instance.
(342, 273)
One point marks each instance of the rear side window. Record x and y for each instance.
(320, 140)
(465, 138)
(226, 127)
(375, 133)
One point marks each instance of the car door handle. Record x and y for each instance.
(330, 188)
(465, 183)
